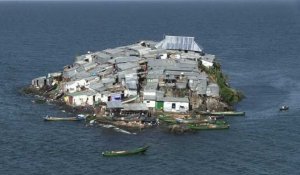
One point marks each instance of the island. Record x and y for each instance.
(138, 85)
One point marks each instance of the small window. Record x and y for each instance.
(173, 105)
(148, 101)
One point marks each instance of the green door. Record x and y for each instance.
(159, 105)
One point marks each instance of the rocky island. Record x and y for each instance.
(173, 80)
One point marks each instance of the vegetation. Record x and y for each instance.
(228, 94)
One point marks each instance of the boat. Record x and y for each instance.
(167, 119)
(190, 121)
(220, 117)
(283, 108)
(125, 152)
(77, 118)
(228, 113)
(208, 126)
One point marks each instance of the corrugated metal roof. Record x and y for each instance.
(96, 85)
(69, 73)
(101, 57)
(176, 99)
(161, 63)
(131, 85)
(151, 86)
(178, 43)
(135, 107)
(150, 97)
(124, 59)
(86, 92)
(208, 57)
(114, 105)
(54, 74)
(81, 75)
(125, 66)
(213, 90)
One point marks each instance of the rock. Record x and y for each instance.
(214, 104)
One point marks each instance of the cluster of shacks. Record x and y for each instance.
(158, 75)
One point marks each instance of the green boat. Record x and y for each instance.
(228, 113)
(126, 152)
(208, 126)
(167, 119)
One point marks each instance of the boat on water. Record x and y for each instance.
(219, 117)
(167, 119)
(125, 152)
(192, 121)
(228, 113)
(283, 108)
(208, 126)
(77, 118)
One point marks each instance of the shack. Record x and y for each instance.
(173, 104)
(82, 98)
(135, 108)
(39, 82)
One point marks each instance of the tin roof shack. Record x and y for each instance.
(149, 94)
(131, 88)
(179, 43)
(101, 57)
(82, 98)
(124, 59)
(127, 66)
(208, 60)
(135, 108)
(114, 108)
(213, 90)
(87, 58)
(73, 86)
(39, 82)
(54, 78)
(150, 101)
(198, 83)
(141, 48)
(154, 75)
(173, 104)
(115, 52)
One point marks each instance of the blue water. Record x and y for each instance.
(256, 43)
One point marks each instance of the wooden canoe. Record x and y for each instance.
(228, 113)
(49, 118)
(209, 127)
(125, 152)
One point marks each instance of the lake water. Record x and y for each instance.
(256, 43)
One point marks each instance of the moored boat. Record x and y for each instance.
(125, 152)
(228, 113)
(77, 118)
(167, 119)
(208, 126)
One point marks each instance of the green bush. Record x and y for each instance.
(228, 94)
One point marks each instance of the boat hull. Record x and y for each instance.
(209, 127)
(125, 153)
(228, 113)
(62, 119)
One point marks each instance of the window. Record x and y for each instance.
(148, 101)
(173, 105)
